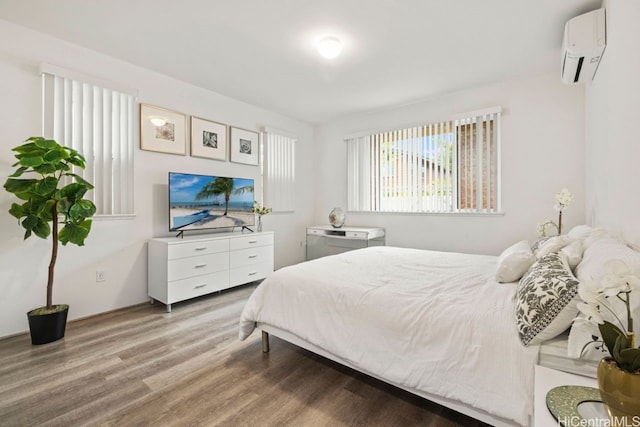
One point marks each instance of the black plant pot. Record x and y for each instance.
(46, 328)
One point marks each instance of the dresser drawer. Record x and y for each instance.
(250, 273)
(184, 250)
(197, 266)
(251, 256)
(245, 242)
(180, 290)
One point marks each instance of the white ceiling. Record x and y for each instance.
(262, 51)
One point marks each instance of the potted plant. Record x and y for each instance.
(52, 204)
(619, 373)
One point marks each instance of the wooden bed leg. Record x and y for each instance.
(265, 342)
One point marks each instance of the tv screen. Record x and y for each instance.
(200, 202)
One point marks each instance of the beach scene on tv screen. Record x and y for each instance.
(198, 202)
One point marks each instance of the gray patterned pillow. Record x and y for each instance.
(547, 299)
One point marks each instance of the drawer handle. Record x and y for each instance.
(201, 249)
(200, 286)
(253, 256)
(253, 241)
(253, 273)
(200, 265)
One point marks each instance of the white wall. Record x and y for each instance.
(612, 112)
(117, 246)
(542, 151)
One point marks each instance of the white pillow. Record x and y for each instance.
(600, 252)
(554, 244)
(580, 231)
(573, 251)
(514, 262)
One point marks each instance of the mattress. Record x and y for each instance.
(436, 322)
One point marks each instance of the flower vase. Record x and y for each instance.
(620, 391)
(259, 225)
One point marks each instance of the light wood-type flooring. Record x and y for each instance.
(141, 366)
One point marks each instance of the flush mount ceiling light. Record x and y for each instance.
(158, 121)
(329, 47)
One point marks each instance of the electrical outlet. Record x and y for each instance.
(101, 276)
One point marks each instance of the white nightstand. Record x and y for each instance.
(323, 240)
(545, 380)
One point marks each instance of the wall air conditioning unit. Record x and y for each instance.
(583, 46)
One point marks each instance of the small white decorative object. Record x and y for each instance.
(337, 217)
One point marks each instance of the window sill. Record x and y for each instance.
(482, 214)
(115, 217)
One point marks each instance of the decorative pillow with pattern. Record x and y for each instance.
(546, 300)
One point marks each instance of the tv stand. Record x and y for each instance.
(244, 227)
(180, 269)
(180, 234)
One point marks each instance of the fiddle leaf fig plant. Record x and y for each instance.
(51, 195)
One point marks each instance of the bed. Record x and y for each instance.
(434, 323)
(464, 331)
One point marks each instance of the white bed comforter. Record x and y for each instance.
(432, 321)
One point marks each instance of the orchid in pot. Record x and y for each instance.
(564, 198)
(607, 302)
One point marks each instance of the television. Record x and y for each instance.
(202, 202)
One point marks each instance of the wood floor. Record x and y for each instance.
(141, 366)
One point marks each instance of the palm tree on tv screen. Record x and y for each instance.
(221, 186)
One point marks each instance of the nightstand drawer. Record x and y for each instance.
(181, 290)
(257, 255)
(250, 273)
(197, 266)
(184, 250)
(251, 241)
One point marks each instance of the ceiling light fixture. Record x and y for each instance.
(329, 47)
(158, 121)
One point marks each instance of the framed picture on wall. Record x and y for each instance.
(208, 139)
(162, 130)
(244, 146)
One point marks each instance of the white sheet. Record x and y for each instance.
(433, 321)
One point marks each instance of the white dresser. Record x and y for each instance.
(183, 268)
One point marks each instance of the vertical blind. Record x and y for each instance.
(98, 123)
(450, 166)
(279, 171)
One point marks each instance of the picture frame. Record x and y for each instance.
(208, 139)
(244, 146)
(162, 130)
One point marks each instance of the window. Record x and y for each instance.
(450, 166)
(279, 170)
(97, 122)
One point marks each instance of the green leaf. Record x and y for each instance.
(80, 180)
(77, 161)
(55, 155)
(610, 334)
(30, 222)
(18, 172)
(31, 161)
(17, 210)
(42, 229)
(25, 148)
(45, 169)
(13, 185)
(47, 144)
(74, 233)
(46, 186)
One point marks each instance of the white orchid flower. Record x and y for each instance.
(589, 292)
(592, 314)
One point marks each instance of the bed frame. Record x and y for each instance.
(476, 413)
